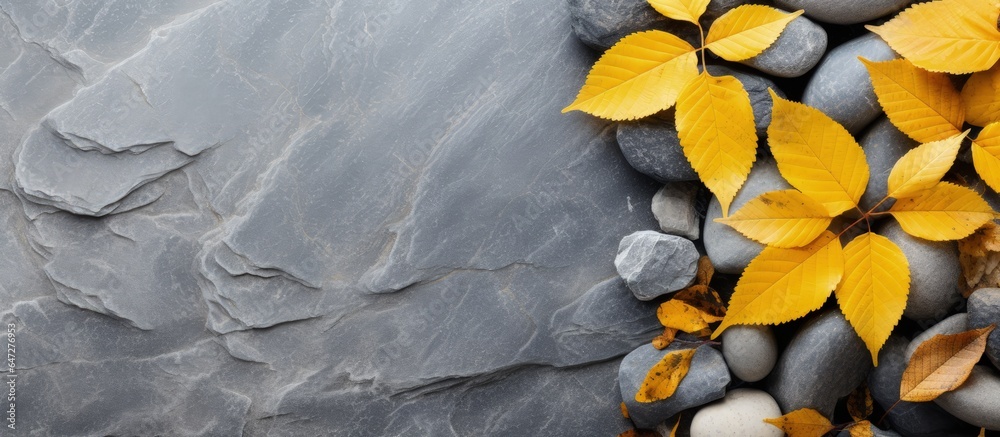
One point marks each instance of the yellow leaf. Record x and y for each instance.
(663, 340)
(804, 422)
(718, 135)
(986, 155)
(873, 294)
(924, 166)
(859, 403)
(785, 218)
(941, 364)
(640, 75)
(705, 271)
(944, 212)
(673, 431)
(951, 36)
(981, 97)
(921, 104)
(746, 31)
(679, 315)
(684, 10)
(663, 378)
(705, 300)
(861, 429)
(817, 155)
(982, 432)
(784, 284)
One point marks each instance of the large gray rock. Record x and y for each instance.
(798, 49)
(841, 86)
(844, 11)
(883, 144)
(675, 208)
(653, 264)
(653, 148)
(704, 383)
(934, 272)
(729, 250)
(984, 310)
(824, 362)
(750, 351)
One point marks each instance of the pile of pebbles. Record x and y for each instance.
(758, 371)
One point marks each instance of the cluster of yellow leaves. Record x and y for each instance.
(804, 262)
(648, 72)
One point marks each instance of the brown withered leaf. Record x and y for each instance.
(859, 403)
(861, 429)
(942, 364)
(705, 271)
(979, 256)
(663, 340)
(705, 299)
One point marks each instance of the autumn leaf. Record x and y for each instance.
(684, 10)
(673, 431)
(981, 97)
(861, 429)
(717, 132)
(942, 364)
(660, 342)
(951, 36)
(859, 403)
(986, 155)
(706, 300)
(785, 218)
(746, 31)
(705, 271)
(664, 377)
(804, 422)
(784, 284)
(640, 75)
(679, 315)
(817, 155)
(923, 105)
(944, 212)
(924, 166)
(979, 257)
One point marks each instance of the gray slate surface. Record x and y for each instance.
(291, 217)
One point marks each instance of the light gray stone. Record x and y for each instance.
(653, 264)
(674, 207)
(934, 272)
(984, 310)
(740, 413)
(883, 144)
(653, 148)
(844, 11)
(841, 87)
(824, 362)
(750, 351)
(704, 383)
(729, 250)
(977, 400)
(798, 49)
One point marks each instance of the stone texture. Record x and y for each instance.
(653, 264)
(740, 413)
(704, 383)
(652, 147)
(675, 208)
(844, 11)
(291, 217)
(934, 272)
(840, 85)
(952, 325)
(883, 144)
(977, 401)
(750, 351)
(824, 362)
(984, 310)
(601, 23)
(729, 250)
(799, 48)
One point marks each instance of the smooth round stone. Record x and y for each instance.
(984, 310)
(674, 207)
(653, 264)
(653, 148)
(798, 49)
(977, 400)
(883, 144)
(952, 325)
(740, 413)
(729, 250)
(844, 11)
(704, 383)
(601, 23)
(750, 351)
(824, 362)
(934, 272)
(841, 87)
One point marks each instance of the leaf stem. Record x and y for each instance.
(701, 32)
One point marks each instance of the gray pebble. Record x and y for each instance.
(653, 148)
(977, 400)
(934, 272)
(653, 264)
(674, 207)
(984, 310)
(798, 49)
(844, 11)
(750, 351)
(601, 23)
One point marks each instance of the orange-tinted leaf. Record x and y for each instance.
(662, 380)
(624, 410)
(859, 403)
(941, 364)
(861, 429)
(805, 422)
(705, 271)
(677, 314)
(663, 340)
(705, 300)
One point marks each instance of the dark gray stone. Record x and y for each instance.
(934, 272)
(798, 49)
(729, 250)
(954, 324)
(750, 351)
(977, 400)
(653, 264)
(704, 383)
(653, 148)
(911, 419)
(757, 87)
(674, 207)
(883, 144)
(824, 362)
(841, 86)
(601, 23)
(984, 310)
(844, 11)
